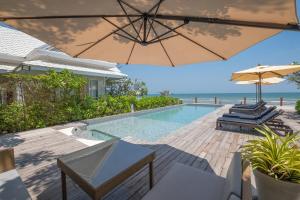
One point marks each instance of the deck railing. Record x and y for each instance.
(216, 100)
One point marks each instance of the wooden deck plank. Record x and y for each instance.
(197, 144)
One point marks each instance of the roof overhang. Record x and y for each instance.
(62, 58)
(39, 65)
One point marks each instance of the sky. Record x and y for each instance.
(213, 77)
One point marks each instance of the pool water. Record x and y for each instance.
(154, 125)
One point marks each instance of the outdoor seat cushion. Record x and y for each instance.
(249, 116)
(238, 120)
(12, 187)
(185, 182)
(249, 106)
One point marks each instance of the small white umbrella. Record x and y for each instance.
(266, 81)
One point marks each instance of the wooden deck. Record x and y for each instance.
(197, 144)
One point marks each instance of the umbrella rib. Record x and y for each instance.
(157, 5)
(241, 75)
(163, 47)
(154, 16)
(276, 73)
(165, 38)
(64, 17)
(130, 52)
(166, 53)
(129, 19)
(128, 38)
(169, 31)
(101, 39)
(182, 35)
(130, 6)
(134, 45)
(288, 26)
(121, 29)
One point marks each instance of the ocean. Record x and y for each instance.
(289, 98)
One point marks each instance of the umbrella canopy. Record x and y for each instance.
(264, 72)
(158, 32)
(266, 81)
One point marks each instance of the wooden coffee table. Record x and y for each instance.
(100, 168)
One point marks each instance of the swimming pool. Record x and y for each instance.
(154, 125)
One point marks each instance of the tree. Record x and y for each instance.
(295, 77)
(165, 93)
(140, 88)
(125, 87)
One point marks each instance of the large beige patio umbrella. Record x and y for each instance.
(157, 32)
(263, 72)
(266, 81)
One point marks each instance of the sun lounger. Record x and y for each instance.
(11, 185)
(185, 182)
(249, 105)
(254, 109)
(267, 119)
(249, 116)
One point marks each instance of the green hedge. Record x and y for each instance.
(17, 117)
(155, 102)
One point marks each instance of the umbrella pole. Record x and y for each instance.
(259, 86)
(256, 92)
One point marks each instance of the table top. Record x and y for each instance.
(98, 164)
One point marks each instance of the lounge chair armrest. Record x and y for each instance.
(7, 160)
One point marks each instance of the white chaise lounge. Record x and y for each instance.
(185, 182)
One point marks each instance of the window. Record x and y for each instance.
(93, 88)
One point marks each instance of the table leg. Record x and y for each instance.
(151, 174)
(63, 186)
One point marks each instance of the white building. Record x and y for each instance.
(22, 53)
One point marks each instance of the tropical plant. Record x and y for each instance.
(278, 157)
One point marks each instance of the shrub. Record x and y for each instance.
(56, 98)
(18, 117)
(278, 157)
(155, 102)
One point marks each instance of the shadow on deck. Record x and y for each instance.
(45, 182)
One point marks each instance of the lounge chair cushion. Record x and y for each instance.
(185, 182)
(249, 116)
(249, 106)
(241, 115)
(12, 187)
(268, 117)
(238, 120)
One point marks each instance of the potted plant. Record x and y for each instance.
(276, 165)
